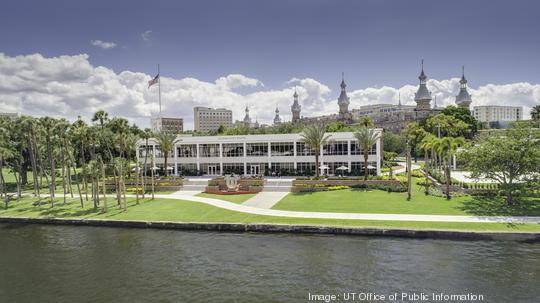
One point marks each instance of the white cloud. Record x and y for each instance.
(146, 35)
(68, 86)
(103, 44)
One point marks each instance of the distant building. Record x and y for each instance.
(277, 118)
(497, 116)
(210, 119)
(9, 115)
(173, 125)
(463, 99)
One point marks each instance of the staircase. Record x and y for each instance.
(194, 184)
(278, 185)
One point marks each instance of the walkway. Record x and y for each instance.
(348, 216)
(265, 199)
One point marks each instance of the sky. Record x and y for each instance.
(70, 58)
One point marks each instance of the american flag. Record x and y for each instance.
(153, 81)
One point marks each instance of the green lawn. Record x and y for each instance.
(186, 211)
(381, 202)
(238, 199)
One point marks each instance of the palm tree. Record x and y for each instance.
(101, 117)
(447, 148)
(366, 122)
(366, 137)
(427, 144)
(535, 114)
(146, 135)
(48, 124)
(166, 142)
(314, 136)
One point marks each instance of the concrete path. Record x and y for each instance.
(349, 216)
(265, 199)
(187, 192)
(402, 170)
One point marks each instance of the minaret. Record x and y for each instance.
(399, 100)
(343, 100)
(435, 106)
(463, 99)
(277, 119)
(423, 95)
(295, 108)
(247, 119)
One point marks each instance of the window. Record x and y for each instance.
(303, 150)
(305, 168)
(257, 149)
(187, 151)
(236, 168)
(282, 149)
(355, 150)
(233, 150)
(336, 148)
(208, 150)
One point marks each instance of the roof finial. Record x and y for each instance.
(399, 98)
(422, 64)
(463, 70)
(342, 76)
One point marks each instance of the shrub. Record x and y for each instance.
(338, 187)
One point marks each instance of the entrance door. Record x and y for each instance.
(255, 170)
(212, 170)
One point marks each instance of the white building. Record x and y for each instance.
(262, 155)
(208, 119)
(173, 125)
(497, 115)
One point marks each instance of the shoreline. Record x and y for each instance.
(532, 237)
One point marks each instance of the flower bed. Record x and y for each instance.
(325, 185)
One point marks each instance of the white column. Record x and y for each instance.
(197, 153)
(269, 156)
(221, 158)
(378, 154)
(349, 155)
(454, 162)
(175, 160)
(244, 159)
(294, 155)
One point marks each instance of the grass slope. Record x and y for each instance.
(186, 211)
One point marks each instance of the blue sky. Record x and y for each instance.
(374, 42)
(377, 43)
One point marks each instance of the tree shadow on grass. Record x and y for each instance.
(496, 206)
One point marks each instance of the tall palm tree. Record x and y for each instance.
(314, 136)
(366, 137)
(427, 144)
(366, 122)
(166, 142)
(146, 135)
(101, 117)
(48, 124)
(447, 148)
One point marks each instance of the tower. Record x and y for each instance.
(247, 119)
(277, 119)
(423, 95)
(295, 108)
(343, 100)
(463, 99)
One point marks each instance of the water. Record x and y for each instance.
(97, 264)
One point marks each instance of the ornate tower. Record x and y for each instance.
(277, 119)
(423, 95)
(343, 100)
(295, 108)
(463, 99)
(247, 119)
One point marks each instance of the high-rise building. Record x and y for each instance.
(172, 125)
(463, 99)
(210, 119)
(497, 116)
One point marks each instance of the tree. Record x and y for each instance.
(393, 143)
(366, 122)
(447, 149)
(165, 140)
(366, 137)
(443, 125)
(314, 137)
(389, 160)
(464, 115)
(414, 134)
(101, 117)
(427, 145)
(509, 159)
(535, 114)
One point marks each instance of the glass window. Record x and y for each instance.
(282, 149)
(187, 151)
(236, 168)
(303, 150)
(208, 150)
(257, 149)
(355, 150)
(233, 150)
(336, 148)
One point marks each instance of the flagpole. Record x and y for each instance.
(159, 90)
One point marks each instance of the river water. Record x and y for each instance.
(40, 263)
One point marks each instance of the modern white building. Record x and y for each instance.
(497, 115)
(208, 119)
(173, 125)
(283, 154)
